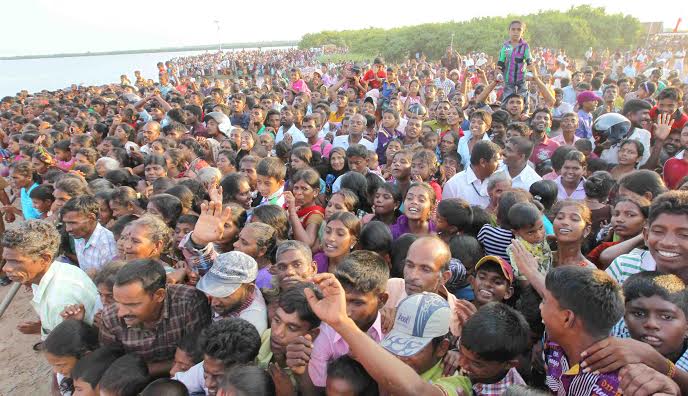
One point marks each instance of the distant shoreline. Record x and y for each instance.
(261, 44)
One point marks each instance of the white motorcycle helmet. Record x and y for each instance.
(613, 126)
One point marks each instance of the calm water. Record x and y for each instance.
(56, 73)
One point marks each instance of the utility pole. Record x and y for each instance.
(219, 40)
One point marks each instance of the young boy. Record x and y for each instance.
(579, 308)
(587, 102)
(513, 58)
(652, 331)
(363, 276)
(493, 281)
(270, 181)
(526, 224)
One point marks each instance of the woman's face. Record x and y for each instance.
(61, 364)
(383, 202)
(337, 161)
(224, 165)
(401, 167)
(297, 163)
(154, 172)
(417, 205)
(304, 194)
(104, 212)
(243, 196)
(336, 204)
(136, 243)
(628, 154)
(20, 180)
(569, 225)
(393, 147)
(337, 240)
(247, 141)
(627, 219)
(121, 134)
(388, 121)
(157, 148)
(572, 172)
(247, 242)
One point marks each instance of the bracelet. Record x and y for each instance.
(672, 369)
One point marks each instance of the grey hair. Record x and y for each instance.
(496, 178)
(295, 245)
(100, 185)
(33, 238)
(159, 231)
(108, 163)
(209, 175)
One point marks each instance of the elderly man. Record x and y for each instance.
(355, 136)
(29, 251)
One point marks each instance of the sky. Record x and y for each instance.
(33, 27)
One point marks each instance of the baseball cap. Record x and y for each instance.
(228, 273)
(587, 96)
(420, 318)
(507, 271)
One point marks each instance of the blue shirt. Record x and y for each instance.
(584, 130)
(28, 210)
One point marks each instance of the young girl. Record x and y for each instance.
(124, 201)
(258, 240)
(453, 216)
(297, 84)
(167, 207)
(305, 216)
(401, 170)
(388, 132)
(393, 146)
(424, 169)
(418, 206)
(629, 156)
(21, 174)
(386, 203)
(341, 234)
(226, 162)
(66, 344)
(413, 96)
(42, 199)
(480, 122)
(526, 224)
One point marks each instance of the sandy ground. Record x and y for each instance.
(22, 371)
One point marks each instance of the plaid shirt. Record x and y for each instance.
(200, 259)
(185, 310)
(512, 377)
(97, 251)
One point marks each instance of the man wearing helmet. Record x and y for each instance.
(615, 127)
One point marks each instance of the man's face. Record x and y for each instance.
(515, 106)
(413, 128)
(442, 111)
(342, 101)
(292, 267)
(610, 94)
(667, 239)
(257, 116)
(21, 268)
(673, 143)
(223, 306)
(286, 117)
(150, 133)
(658, 322)
(422, 270)
(512, 157)
(213, 370)
(310, 130)
(426, 358)
(357, 164)
(490, 166)
(541, 122)
(640, 117)
(135, 306)
(572, 172)
(266, 185)
(362, 308)
(587, 76)
(249, 170)
(490, 286)
(480, 370)
(61, 198)
(569, 124)
(357, 125)
(286, 327)
(79, 225)
(667, 106)
(576, 79)
(624, 87)
(237, 105)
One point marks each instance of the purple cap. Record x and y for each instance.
(587, 96)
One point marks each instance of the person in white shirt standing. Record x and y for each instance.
(516, 153)
(357, 125)
(94, 244)
(288, 129)
(28, 251)
(471, 183)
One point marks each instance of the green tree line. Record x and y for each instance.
(574, 30)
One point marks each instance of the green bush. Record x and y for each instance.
(574, 30)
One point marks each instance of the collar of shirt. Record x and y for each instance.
(94, 236)
(434, 373)
(40, 289)
(375, 331)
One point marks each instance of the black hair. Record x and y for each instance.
(528, 304)
(82, 204)
(149, 272)
(348, 369)
(484, 150)
(456, 212)
(597, 164)
(357, 150)
(108, 273)
(400, 248)
(272, 167)
(169, 206)
(189, 344)
(44, 192)
(294, 300)
(467, 249)
(165, 386)
(559, 156)
(199, 192)
(521, 127)
(71, 338)
(598, 185)
(496, 333)
(603, 304)
(376, 237)
(508, 199)
(162, 184)
(185, 196)
(231, 341)
(308, 176)
(394, 191)
(120, 223)
(248, 380)
(73, 186)
(670, 203)
(156, 159)
(230, 186)
(358, 184)
(188, 219)
(480, 218)
(524, 214)
(274, 216)
(668, 287)
(126, 376)
(121, 178)
(545, 192)
(363, 271)
(193, 145)
(642, 181)
(91, 367)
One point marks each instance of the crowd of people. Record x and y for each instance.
(510, 223)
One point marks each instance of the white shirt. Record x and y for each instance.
(296, 135)
(62, 285)
(523, 180)
(562, 109)
(193, 379)
(463, 150)
(611, 155)
(467, 186)
(256, 313)
(343, 142)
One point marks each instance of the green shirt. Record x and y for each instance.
(450, 385)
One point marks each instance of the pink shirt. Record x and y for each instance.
(560, 139)
(329, 345)
(578, 194)
(326, 148)
(396, 288)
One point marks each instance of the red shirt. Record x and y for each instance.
(679, 117)
(543, 150)
(370, 78)
(674, 170)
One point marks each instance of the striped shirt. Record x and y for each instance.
(565, 380)
(98, 250)
(636, 261)
(621, 331)
(495, 240)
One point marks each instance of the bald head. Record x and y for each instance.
(427, 265)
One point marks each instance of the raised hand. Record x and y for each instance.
(290, 201)
(331, 309)
(663, 126)
(387, 316)
(211, 223)
(299, 354)
(75, 311)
